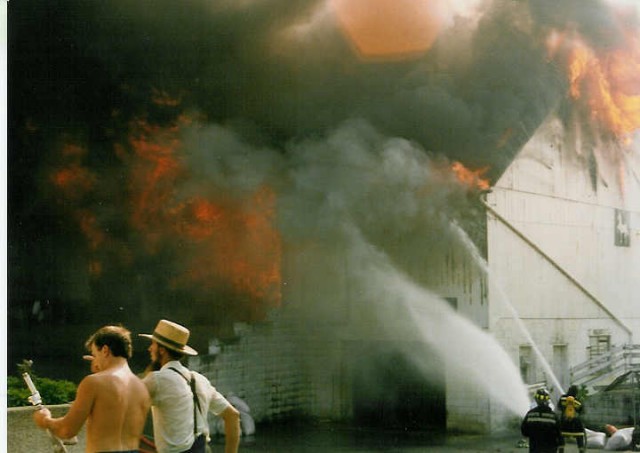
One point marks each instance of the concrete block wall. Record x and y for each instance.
(614, 408)
(263, 367)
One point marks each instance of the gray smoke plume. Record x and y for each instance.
(281, 99)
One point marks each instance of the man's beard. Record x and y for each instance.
(154, 365)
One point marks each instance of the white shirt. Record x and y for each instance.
(172, 406)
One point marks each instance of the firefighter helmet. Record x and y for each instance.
(542, 396)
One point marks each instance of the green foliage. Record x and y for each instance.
(583, 394)
(52, 391)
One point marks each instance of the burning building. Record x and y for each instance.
(400, 228)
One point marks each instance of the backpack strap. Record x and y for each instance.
(196, 401)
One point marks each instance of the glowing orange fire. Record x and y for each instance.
(224, 241)
(73, 182)
(236, 244)
(231, 242)
(72, 179)
(608, 83)
(153, 173)
(471, 178)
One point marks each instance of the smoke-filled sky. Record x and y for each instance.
(163, 150)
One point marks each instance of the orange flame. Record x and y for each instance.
(223, 242)
(74, 183)
(231, 243)
(73, 180)
(154, 169)
(89, 226)
(608, 84)
(471, 178)
(236, 245)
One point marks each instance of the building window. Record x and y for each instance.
(527, 365)
(599, 342)
(561, 364)
(622, 229)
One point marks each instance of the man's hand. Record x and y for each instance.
(42, 417)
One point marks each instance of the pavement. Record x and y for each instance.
(332, 438)
(327, 438)
(24, 437)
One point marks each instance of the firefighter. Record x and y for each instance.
(571, 426)
(541, 425)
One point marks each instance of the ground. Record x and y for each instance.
(24, 437)
(332, 438)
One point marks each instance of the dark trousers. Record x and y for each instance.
(199, 445)
(579, 436)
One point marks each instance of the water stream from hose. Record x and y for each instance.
(502, 296)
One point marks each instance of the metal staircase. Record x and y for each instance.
(600, 371)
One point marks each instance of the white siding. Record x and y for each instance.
(571, 277)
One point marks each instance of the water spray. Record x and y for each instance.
(482, 263)
(468, 350)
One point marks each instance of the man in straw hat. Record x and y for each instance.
(181, 398)
(113, 401)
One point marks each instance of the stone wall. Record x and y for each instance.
(23, 436)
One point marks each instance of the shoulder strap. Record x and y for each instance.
(196, 401)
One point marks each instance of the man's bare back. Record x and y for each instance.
(113, 401)
(121, 404)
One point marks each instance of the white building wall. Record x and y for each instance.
(458, 277)
(301, 361)
(551, 247)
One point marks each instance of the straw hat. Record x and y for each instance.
(172, 336)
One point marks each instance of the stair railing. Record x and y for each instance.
(618, 360)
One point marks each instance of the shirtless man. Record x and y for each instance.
(113, 401)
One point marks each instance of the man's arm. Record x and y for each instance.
(68, 426)
(149, 381)
(218, 405)
(231, 419)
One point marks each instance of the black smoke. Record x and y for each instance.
(279, 83)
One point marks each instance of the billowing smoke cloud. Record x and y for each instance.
(388, 188)
(188, 118)
(289, 69)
